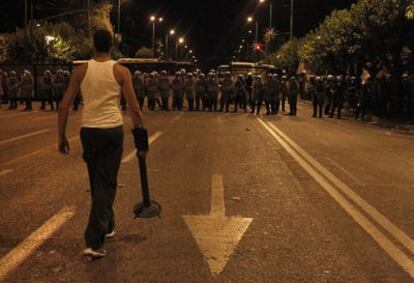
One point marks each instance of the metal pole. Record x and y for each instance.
(271, 15)
(257, 32)
(119, 16)
(176, 50)
(89, 19)
(153, 39)
(25, 29)
(291, 18)
(166, 46)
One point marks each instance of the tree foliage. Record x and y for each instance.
(375, 31)
(58, 41)
(144, 52)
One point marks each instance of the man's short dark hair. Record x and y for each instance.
(102, 40)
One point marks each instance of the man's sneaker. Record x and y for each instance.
(100, 253)
(110, 235)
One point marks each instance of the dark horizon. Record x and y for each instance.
(213, 28)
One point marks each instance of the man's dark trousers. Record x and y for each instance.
(102, 152)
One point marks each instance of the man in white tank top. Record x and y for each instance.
(102, 81)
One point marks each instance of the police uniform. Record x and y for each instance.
(164, 90)
(227, 91)
(240, 94)
(58, 88)
(212, 92)
(249, 88)
(268, 93)
(177, 87)
(365, 96)
(139, 87)
(338, 97)
(47, 90)
(13, 88)
(258, 94)
(189, 91)
(201, 91)
(293, 96)
(285, 92)
(152, 90)
(27, 89)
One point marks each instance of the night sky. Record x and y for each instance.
(213, 28)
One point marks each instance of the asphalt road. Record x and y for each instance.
(245, 199)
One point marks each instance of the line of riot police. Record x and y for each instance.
(330, 94)
(209, 93)
(18, 88)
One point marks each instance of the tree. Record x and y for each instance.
(144, 52)
(287, 57)
(57, 41)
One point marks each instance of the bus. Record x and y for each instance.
(265, 69)
(242, 68)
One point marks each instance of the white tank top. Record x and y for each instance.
(101, 93)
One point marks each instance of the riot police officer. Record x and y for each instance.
(293, 96)
(212, 91)
(177, 88)
(164, 85)
(338, 96)
(285, 91)
(47, 91)
(201, 92)
(152, 90)
(317, 92)
(139, 87)
(365, 96)
(329, 91)
(58, 88)
(249, 87)
(240, 93)
(189, 91)
(13, 89)
(258, 94)
(269, 93)
(227, 90)
(27, 89)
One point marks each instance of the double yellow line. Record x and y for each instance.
(351, 202)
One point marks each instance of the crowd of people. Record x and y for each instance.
(18, 88)
(230, 92)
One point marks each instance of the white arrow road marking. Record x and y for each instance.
(133, 154)
(24, 136)
(36, 239)
(216, 235)
(330, 184)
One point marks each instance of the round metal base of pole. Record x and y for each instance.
(142, 211)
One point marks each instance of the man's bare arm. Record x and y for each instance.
(70, 93)
(129, 94)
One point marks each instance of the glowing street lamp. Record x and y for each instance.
(180, 41)
(250, 20)
(154, 20)
(167, 47)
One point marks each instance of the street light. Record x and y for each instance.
(251, 19)
(167, 49)
(181, 40)
(291, 18)
(270, 12)
(154, 20)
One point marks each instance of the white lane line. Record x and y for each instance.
(390, 248)
(176, 118)
(34, 153)
(396, 232)
(349, 174)
(5, 172)
(217, 196)
(12, 115)
(133, 154)
(3, 142)
(16, 256)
